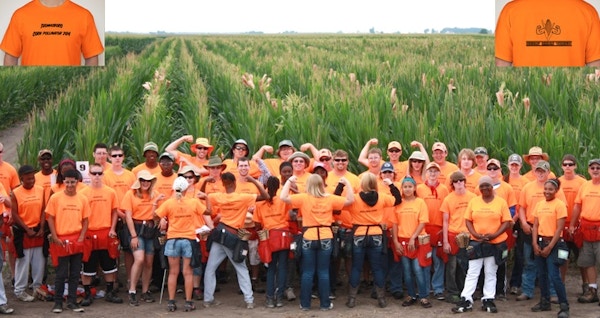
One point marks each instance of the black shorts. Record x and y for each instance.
(108, 265)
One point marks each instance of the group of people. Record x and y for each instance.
(417, 225)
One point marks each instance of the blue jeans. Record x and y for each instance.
(530, 272)
(370, 246)
(316, 256)
(178, 247)
(276, 274)
(394, 272)
(413, 270)
(549, 276)
(437, 279)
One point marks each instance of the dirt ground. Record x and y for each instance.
(233, 304)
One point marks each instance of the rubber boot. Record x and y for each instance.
(352, 297)
(381, 297)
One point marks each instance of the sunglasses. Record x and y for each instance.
(595, 168)
(189, 177)
(568, 164)
(493, 168)
(340, 160)
(96, 173)
(202, 148)
(46, 158)
(387, 171)
(240, 148)
(460, 180)
(395, 150)
(117, 155)
(323, 159)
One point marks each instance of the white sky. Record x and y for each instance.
(276, 16)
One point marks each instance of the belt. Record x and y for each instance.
(545, 239)
(149, 223)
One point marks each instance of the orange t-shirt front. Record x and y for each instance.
(487, 217)
(570, 188)
(317, 212)
(548, 33)
(120, 183)
(446, 171)
(30, 203)
(232, 207)
(547, 213)
(364, 214)
(184, 216)
(505, 191)
(589, 199)
(9, 176)
(533, 193)
(409, 214)
(193, 159)
(55, 36)
(433, 201)
(141, 208)
(164, 185)
(102, 203)
(46, 182)
(142, 166)
(68, 212)
(455, 206)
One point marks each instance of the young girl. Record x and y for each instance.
(412, 215)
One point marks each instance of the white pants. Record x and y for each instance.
(35, 258)
(489, 285)
(217, 254)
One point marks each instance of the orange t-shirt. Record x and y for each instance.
(301, 182)
(533, 193)
(214, 187)
(505, 191)
(184, 217)
(232, 206)
(3, 192)
(344, 218)
(488, 217)
(102, 202)
(246, 187)
(547, 213)
(364, 214)
(530, 175)
(120, 183)
(409, 214)
(142, 166)
(193, 159)
(8, 176)
(548, 33)
(55, 36)
(517, 185)
(59, 187)
(30, 203)
(68, 212)
(272, 215)
(589, 199)
(141, 208)
(455, 206)
(317, 212)
(46, 182)
(164, 185)
(273, 165)
(446, 171)
(433, 203)
(570, 188)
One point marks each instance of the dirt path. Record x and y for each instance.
(10, 138)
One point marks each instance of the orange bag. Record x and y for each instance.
(70, 247)
(590, 230)
(435, 234)
(264, 251)
(424, 255)
(279, 239)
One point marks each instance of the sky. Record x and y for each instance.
(306, 16)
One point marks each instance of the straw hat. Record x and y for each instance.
(536, 151)
(204, 143)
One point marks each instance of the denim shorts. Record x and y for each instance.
(178, 248)
(147, 245)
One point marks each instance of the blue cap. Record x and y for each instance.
(387, 166)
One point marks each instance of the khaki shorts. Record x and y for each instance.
(589, 254)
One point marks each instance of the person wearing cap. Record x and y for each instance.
(300, 163)
(409, 222)
(201, 150)
(487, 217)
(150, 164)
(319, 155)
(67, 214)
(504, 191)
(316, 210)
(100, 155)
(517, 182)
(238, 150)
(585, 211)
(433, 193)
(453, 214)
(27, 207)
(47, 174)
(416, 166)
(183, 215)
(102, 224)
(367, 213)
(231, 209)
(532, 158)
(481, 158)
(139, 204)
(284, 151)
(549, 248)
(167, 175)
(466, 163)
(8, 174)
(212, 183)
(439, 152)
(191, 175)
(532, 193)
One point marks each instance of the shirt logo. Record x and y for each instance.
(547, 29)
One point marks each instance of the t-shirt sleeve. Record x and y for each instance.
(502, 41)
(561, 210)
(469, 211)
(92, 45)
(161, 212)
(50, 206)
(337, 202)
(505, 212)
(11, 43)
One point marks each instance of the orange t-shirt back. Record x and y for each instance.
(364, 214)
(317, 212)
(272, 215)
(184, 217)
(232, 206)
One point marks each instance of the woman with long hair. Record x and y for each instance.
(316, 211)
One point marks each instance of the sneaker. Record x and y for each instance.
(488, 306)
(514, 290)
(25, 297)
(57, 309)
(327, 308)
(463, 305)
(208, 304)
(500, 297)
(409, 301)
(133, 301)
(171, 305)
(4, 309)
(439, 296)
(270, 303)
(523, 297)
(189, 306)
(74, 307)
(278, 302)
(249, 305)
(289, 294)
(147, 297)
(113, 298)
(398, 295)
(87, 300)
(543, 305)
(425, 303)
(590, 296)
(332, 295)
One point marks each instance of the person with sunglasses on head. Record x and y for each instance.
(439, 152)
(585, 211)
(47, 174)
(238, 150)
(284, 151)
(200, 153)
(102, 224)
(481, 159)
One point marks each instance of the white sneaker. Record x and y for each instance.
(25, 297)
(289, 294)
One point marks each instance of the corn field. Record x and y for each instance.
(335, 91)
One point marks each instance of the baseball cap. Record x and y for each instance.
(594, 161)
(324, 153)
(439, 146)
(150, 146)
(433, 165)
(480, 151)
(168, 155)
(417, 155)
(493, 162)
(287, 143)
(515, 158)
(387, 166)
(486, 179)
(542, 164)
(44, 151)
(394, 144)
